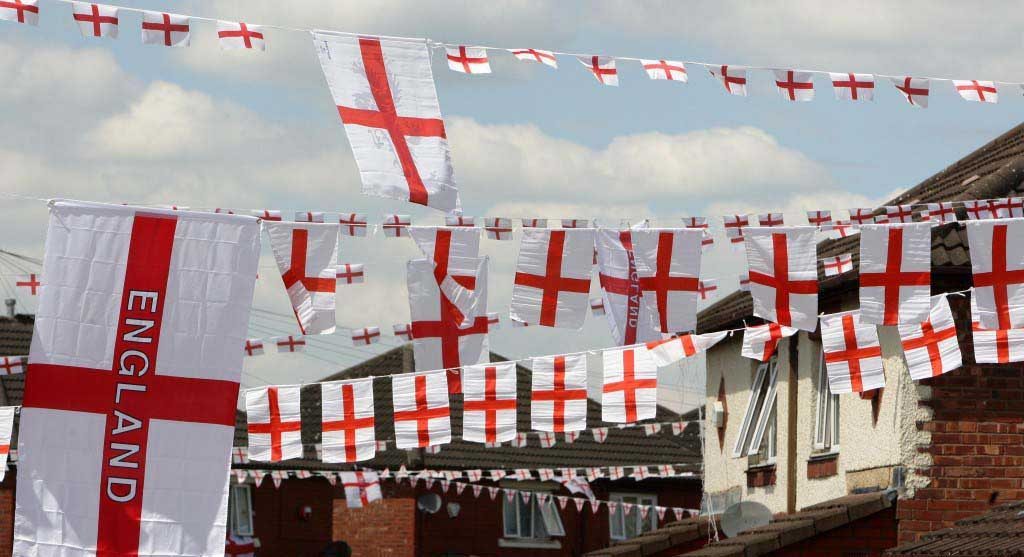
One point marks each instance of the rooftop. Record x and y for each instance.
(997, 532)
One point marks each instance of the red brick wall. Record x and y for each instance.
(383, 529)
(7, 514)
(867, 537)
(977, 447)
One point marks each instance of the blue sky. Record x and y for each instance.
(113, 120)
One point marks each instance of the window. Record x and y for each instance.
(757, 432)
(240, 510)
(623, 526)
(531, 520)
(826, 419)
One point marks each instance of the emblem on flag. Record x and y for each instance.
(347, 420)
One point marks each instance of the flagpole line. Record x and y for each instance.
(253, 465)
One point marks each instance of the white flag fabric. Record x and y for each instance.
(157, 312)
(760, 341)
(602, 68)
(166, 29)
(347, 420)
(669, 70)
(6, 429)
(913, 89)
(396, 226)
(835, 266)
(498, 228)
(353, 224)
(365, 336)
(940, 212)
(489, 402)
(275, 426)
(238, 35)
(783, 270)
(733, 78)
(853, 86)
(558, 401)
(253, 347)
(552, 280)
(289, 344)
(978, 209)
(995, 346)
(350, 273)
(309, 216)
(977, 91)
(384, 90)
(631, 319)
(669, 351)
(630, 391)
(95, 20)
(306, 254)
(668, 263)
(853, 356)
(534, 223)
(794, 85)
(362, 487)
(545, 57)
(895, 272)
(997, 261)
(438, 340)
(22, 11)
(421, 409)
(931, 348)
(468, 59)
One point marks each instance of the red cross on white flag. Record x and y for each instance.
(166, 29)
(365, 336)
(997, 261)
(384, 90)
(545, 57)
(707, 289)
(853, 86)
(309, 216)
(352, 224)
(1008, 207)
(347, 420)
(668, 262)
(489, 402)
(602, 68)
(733, 78)
(794, 85)
(783, 273)
(421, 409)
(835, 266)
(289, 343)
(552, 280)
(403, 330)
(440, 340)
(734, 227)
(931, 347)
(761, 341)
(95, 20)
(978, 209)
(630, 318)
(12, 365)
(559, 393)
(899, 214)
(977, 91)
(575, 223)
(995, 346)
(253, 347)
(274, 424)
(671, 350)
(267, 214)
(770, 219)
(362, 487)
(853, 356)
(460, 221)
(842, 229)
(821, 219)
(468, 59)
(350, 273)
(669, 70)
(305, 254)
(154, 381)
(913, 89)
(895, 273)
(940, 212)
(22, 11)
(30, 282)
(498, 228)
(534, 223)
(695, 222)
(630, 388)
(234, 35)
(396, 226)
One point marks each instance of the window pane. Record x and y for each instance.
(617, 524)
(525, 518)
(539, 530)
(510, 518)
(241, 515)
(552, 520)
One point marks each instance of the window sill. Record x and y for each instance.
(823, 465)
(761, 475)
(523, 543)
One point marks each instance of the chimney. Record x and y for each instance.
(9, 302)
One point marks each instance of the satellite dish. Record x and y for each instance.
(429, 503)
(743, 516)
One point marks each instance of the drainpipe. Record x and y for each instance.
(10, 303)
(791, 422)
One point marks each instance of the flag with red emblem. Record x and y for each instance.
(95, 20)
(552, 279)
(440, 340)
(30, 282)
(913, 89)
(365, 336)
(734, 227)
(899, 214)
(385, 94)
(668, 264)
(347, 420)
(707, 289)
(238, 35)
(630, 318)
(309, 216)
(305, 254)
(12, 365)
(940, 212)
(733, 78)
(671, 350)
(977, 91)
(467, 59)
(978, 209)
(166, 29)
(275, 428)
(602, 68)
(396, 226)
(630, 389)
(997, 262)
(350, 273)
(835, 266)
(931, 347)
(21, 11)
(558, 399)
(352, 224)
(253, 347)
(853, 356)
(489, 402)
(862, 216)
(362, 487)
(794, 85)
(498, 228)
(421, 409)
(402, 330)
(669, 70)
(534, 223)
(545, 57)
(770, 219)
(289, 343)
(783, 271)
(760, 341)
(995, 346)
(575, 223)
(853, 86)
(895, 273)
(821, 219)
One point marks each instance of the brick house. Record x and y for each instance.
(951, 446)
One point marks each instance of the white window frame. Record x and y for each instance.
(545, 523)
(760, 409)
(826, 418)
(241, 522)
(617, 521)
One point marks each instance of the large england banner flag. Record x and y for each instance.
(129, 409)
(385, 94)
